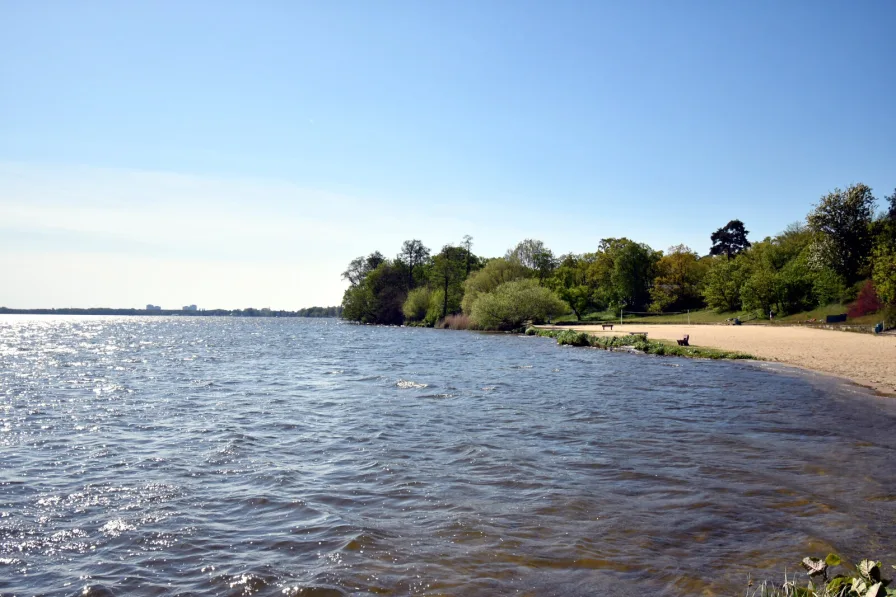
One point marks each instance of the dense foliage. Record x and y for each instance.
(513, 303)
(841, 252)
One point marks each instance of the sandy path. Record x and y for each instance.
(863, 358)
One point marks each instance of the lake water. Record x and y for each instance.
(225, 456)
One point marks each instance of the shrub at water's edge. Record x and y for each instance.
(513, 303)
(867, 580)
(636, 342)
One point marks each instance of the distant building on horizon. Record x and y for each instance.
(152, 307)
(191, 308)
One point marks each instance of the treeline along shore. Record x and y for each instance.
(842, 256)
(250, 312)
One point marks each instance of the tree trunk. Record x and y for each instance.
(445, 301)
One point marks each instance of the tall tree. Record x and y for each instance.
(534, 255)
(467, 244)
(730, 239)
(447, 274)
(891, 213)
(723, 282)
(413, 254)
(678, 282)
(633, 273)
(841, 220)
(570, 282)
(355, 271)
(361, 266)
(378, 298)
(373, 261)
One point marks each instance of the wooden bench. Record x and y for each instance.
(638, 334)
(606, 325)
(684, 341)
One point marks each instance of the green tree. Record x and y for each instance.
(467, 244)
(378, 297)
(535, 256)
(413, 255)
(678, 281)
(496, 272)
(361, 266)
(884, 272)
(632, 274)
(722, 284)
(827, 286)
(515, 302)
(355, 272)
(447, 275)
(759, 291)
(841, 221)
(358, 304)
(570, 282)
(795, 286)
(730, 239)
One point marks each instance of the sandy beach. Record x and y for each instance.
(862, 358)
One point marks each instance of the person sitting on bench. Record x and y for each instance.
(684, 341)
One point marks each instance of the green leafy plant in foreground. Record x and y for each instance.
(866, 581)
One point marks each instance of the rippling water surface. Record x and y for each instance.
(206, 456)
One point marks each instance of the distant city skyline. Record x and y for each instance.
(150, 152)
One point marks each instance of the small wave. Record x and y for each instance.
(250, 583)
(367, 378)
(298, 591)
(406, 384)
(437, 396)
(116, 527)
(95, 591)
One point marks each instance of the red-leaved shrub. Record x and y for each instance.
(867, 301)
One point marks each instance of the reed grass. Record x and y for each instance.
(456, 322)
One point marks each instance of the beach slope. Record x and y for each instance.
(865, 359)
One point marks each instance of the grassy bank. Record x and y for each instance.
(709, 316)
(636, 342)
(702, 316)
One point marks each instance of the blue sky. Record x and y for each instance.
(234, 154)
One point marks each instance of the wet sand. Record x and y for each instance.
(865, 359)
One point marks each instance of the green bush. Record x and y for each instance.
(513, 303)
(571, 338)
(417, 304)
